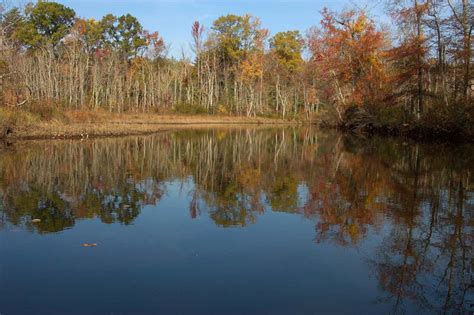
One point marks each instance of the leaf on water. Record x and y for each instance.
(89, 245)
(35, 220)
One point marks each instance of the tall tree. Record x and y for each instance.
(10, 21)
(46, 23)
(463, 16)
(287, 47)
(412, 52)
(287, 62)
(234, 36)
(348, 51)
(125, 34)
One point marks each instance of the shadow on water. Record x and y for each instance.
(418, 199)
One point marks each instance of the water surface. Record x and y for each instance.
(236, 221)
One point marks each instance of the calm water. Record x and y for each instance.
(242, 221)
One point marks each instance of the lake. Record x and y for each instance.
(236, 221)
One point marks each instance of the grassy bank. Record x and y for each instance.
(48, 123)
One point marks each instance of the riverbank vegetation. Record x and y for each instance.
(349, 71)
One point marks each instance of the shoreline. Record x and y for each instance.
(359, 122)
(101, 124)
(86, 125)
(416, 134)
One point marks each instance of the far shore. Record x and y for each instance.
(83, 125)
(24, 125)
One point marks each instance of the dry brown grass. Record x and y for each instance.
(146, 118)
(86, 124)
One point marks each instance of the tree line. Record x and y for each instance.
(420, 69)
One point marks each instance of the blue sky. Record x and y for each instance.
(173, 18)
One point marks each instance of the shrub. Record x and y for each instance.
(12, 118)
(189, 109)
(389, 116)
(357, 118)
(222, 110)
(46, 111)
(450, 120)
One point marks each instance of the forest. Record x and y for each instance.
(410, 76)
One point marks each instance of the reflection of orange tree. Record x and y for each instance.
(423, 195)
(345, 194)
(423, 258)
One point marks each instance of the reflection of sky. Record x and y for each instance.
(173, 18)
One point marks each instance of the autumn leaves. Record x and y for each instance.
(349, 60)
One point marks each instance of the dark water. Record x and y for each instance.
(243, 221)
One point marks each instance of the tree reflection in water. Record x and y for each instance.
(418, 198)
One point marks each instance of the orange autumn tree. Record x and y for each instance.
(348, 52)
